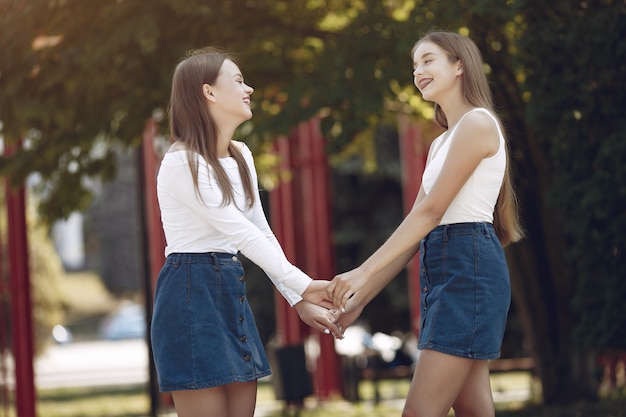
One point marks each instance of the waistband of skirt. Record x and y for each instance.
(211, 258)
(457, 229)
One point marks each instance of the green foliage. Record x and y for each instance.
(576, 60)
(77, 77)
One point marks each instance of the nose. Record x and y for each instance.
(249, 89)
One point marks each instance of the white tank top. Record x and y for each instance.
(476, 200)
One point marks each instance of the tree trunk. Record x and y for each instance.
(543, 288)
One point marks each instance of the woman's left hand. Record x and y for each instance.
(319, 318)
(353, 311)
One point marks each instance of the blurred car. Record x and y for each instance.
(127, 322)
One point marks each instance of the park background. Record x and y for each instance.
(79, 79)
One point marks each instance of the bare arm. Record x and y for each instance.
(475, 139)
(373, 286)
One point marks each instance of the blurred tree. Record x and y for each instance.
(46, 273)
(574, 59)
(554, 68)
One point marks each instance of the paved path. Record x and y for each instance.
(92, 364)
(100, 363)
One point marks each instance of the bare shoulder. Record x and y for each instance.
(480, 121)
(479, 129)
(242, 147)
(239, 145)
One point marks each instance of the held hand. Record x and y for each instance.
(344, 286)
(318, 318)
(317, 293)
(353, 311)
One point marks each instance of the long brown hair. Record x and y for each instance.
(191, 121)
(477, 94)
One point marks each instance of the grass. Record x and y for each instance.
(126, 401)
(133, 401)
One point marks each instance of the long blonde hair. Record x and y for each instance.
(191, 121)
(477, 93)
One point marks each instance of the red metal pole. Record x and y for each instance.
(283, 224)
(413, 153)
(307, 194)
(153, 245)
(315, 253)
(21, 308)
(155, 231)
(317, 216)
(5, 300)
(309, 249)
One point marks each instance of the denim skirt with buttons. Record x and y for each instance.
(465, 291)
(203, 333)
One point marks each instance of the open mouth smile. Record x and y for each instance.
(423, 83)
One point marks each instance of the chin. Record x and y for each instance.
(428, 97)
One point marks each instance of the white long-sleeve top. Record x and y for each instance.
(192, 225)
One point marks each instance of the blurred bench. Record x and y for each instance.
(371, 368)
(512, 365)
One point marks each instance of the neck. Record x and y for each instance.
(223, 142)
(454, 113)
(222, 149)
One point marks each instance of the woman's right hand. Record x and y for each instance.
(317, 293)
(344, 286)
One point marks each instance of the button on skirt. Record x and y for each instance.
(465, 291)
(203, 333)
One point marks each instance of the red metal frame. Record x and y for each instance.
(319, 263)
(5, 300)
(290, 331)
(21, 306)
(413, 154)
(156, 243)
(307, 194)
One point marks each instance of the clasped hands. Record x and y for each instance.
(332, 306)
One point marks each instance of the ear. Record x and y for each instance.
(207, 91)
(459, 69)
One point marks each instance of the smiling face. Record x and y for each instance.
(229, 96)
(435, 73)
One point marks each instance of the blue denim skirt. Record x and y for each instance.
(465, 291)
(203, 333)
